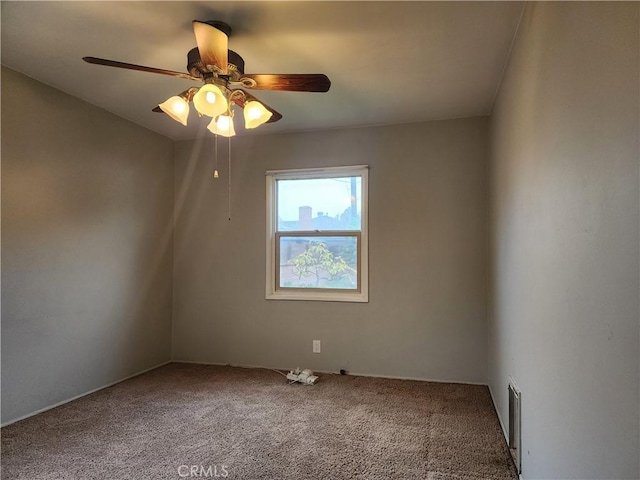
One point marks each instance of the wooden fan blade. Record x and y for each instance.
(275, 116)
(212, 45)
(302, 82)
(140, 68)
(157, 109)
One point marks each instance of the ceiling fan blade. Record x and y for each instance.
(140, 68)
(212, 45)
(302, 82)
(157, 109)
(275, 116)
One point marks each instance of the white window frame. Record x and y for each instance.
(329, 295)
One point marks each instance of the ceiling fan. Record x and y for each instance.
(222, 72)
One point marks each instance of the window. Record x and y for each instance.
(317, 234)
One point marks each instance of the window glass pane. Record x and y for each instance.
(319, 262)
(319, 204)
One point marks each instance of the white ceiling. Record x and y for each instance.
(389, 62)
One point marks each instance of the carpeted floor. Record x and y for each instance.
(195, 421)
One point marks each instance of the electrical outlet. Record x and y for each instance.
(316, 346)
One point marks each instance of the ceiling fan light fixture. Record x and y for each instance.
(255, 114)
(177, 108)
(210, 101)
(223, 125)
(222, 72)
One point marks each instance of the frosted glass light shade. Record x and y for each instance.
(177, 108)
(210, 101)
(223, 125)
(255, 114)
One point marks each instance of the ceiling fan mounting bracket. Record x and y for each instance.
(223, 27)
(245, 82)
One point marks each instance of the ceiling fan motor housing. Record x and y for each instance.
(196, 68)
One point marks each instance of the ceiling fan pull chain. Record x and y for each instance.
(215, 161)
(229, 178)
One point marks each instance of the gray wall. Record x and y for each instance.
(87, 213)
(428, 265)
(564, 239)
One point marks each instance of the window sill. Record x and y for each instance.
(319, 296)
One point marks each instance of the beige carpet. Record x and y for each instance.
(194, 421)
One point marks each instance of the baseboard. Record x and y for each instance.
(495, 407)
(416, 379)
(83, 394)
(355, 374)
(216, 364)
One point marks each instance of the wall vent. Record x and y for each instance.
(514, 425)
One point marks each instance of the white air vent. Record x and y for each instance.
(514, 425)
